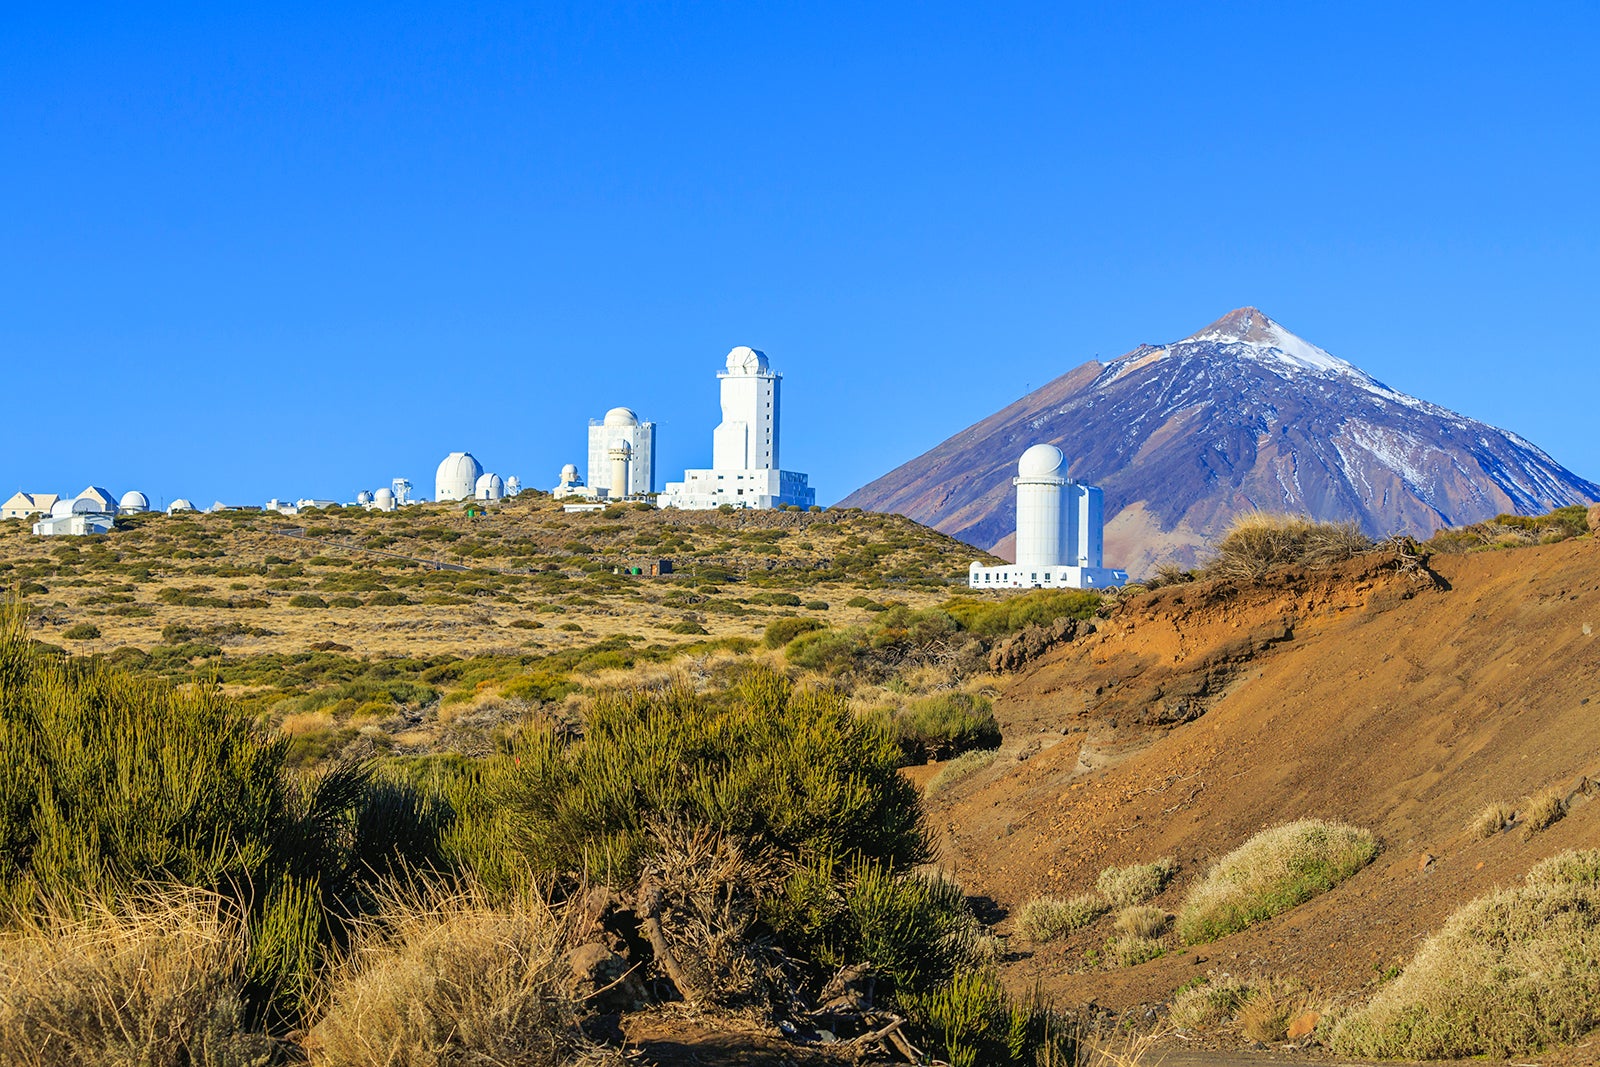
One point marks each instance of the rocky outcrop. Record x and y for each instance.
(1032, 642)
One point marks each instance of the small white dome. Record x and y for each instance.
(62, 507)
(569, 473)
(179, 504)
(363, 498)
(383, 496)
(489, 487)
(1042, 461)
(133, 500)
(456, 476)
(621, 417)
(747, 360)
(513, 485)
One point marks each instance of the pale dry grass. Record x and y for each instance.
(1545, 810)
(445, 979)
(1142, 920)
(959, 770)
(1269, 1008)
(1210, 1004)
(1509, 974)
(1135, 883)
(1274, 871)
(1051, 918)
(1259, 541)
(1130, 950)
(1492, 819)
(153, 982)
(298, 723)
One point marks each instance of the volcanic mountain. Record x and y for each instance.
(1243, 415)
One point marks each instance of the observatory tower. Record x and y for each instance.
(622, 427)
(744, 447)
(1060, 531)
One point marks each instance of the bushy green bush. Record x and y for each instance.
(1272, 872)
(996, 618)
(1510, 974)
(791, 773)
(942, 725)
(974, 1022)
(781, 631)
(82, 631)
(307, 600)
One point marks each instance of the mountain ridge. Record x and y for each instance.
(1241, 415)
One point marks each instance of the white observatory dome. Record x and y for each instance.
(62, 507)
(179, 504)
(489, 487)
(747, 360)
(621, 417)
(513, 485)
(456, 477)
(363, 498)
(133, 502)
(1042, 461)
(383, 499)
(569, 473)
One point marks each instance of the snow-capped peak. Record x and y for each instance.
(1250, 326)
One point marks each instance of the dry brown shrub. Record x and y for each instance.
(451, 978)
(155, 982)
(1142, 920)
(1259, 541)
(1492, 819)
(1269, 1008)
(1545, 809)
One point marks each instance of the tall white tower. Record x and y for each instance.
(1045, 535)
(621, 455)
(747, 438)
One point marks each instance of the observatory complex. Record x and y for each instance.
(1060, 531)
(744, 447)
(622, 454)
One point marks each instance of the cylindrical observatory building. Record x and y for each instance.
(1060, 531)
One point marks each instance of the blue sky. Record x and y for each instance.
(300, 250)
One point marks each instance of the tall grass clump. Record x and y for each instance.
(108, 783)
(154, 981)
(1272, 872)
(1492, 819)
(1135, 883)
(1509, 974)
(1045, 919)
(974, 1022)
(1258, 541)
(946, 724)
(451, 977)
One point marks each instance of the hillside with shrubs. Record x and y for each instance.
(1308, 794)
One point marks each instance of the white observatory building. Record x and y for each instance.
(744, 447)
(622, 432)
(457, 477)
(1060, 531)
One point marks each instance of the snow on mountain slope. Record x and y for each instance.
(1241, 415)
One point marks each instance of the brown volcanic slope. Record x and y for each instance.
(1242, 415)
(1353, 694)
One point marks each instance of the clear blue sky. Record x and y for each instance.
(271, 249)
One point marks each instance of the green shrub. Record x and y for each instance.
(1135, 883)
(1510, 974)
(1052, 918)
(307, 600)
(973, 1022)
(996, 618)
(945, 724)
(685, 626)
(387, 598)
(1274, 871)
(82, 631)
(786, 773)
(781, 631)
(1130, 950)
(1210, 1003)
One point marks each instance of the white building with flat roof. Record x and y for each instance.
(744, 470)
(607, 436)
(1060, 531)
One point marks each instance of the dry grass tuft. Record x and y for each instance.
(1274, 871)
(1130, 950)
(451, 979)
(1492, 819)
(156, 982)
(959, 769)
(1545, 809)
(1052, 918)
(1210, 1004)
(1136, 883)
(1258, 541)
(1509, 974)
(1269, 1007)
(1141, 920)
